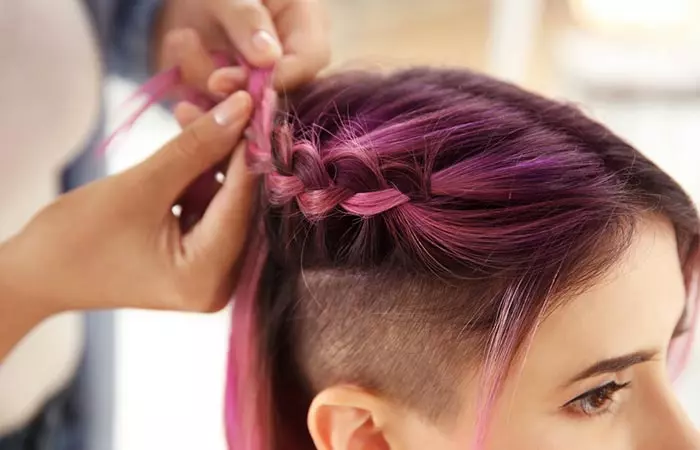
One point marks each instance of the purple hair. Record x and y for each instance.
(418, 224)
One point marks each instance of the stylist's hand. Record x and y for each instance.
(291, 33)
(115, 243)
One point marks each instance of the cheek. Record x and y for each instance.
(523, 420)
(533, 432)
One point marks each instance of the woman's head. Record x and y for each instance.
(446, 261)
(592, 377)
(455, 263)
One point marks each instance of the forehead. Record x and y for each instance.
(634, 307)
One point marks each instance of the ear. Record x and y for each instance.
(349, 418)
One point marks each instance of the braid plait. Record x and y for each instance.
(305, 179)
(301, 175)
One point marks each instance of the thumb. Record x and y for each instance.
(202, 144)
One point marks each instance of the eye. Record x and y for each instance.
(596, 401)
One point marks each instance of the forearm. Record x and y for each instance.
(15, 323)
(20, 309)
(18, 313)
(126, 29)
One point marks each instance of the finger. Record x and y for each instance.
(205, 102)
(227, 80)
(303, 28)
(218, 240)
(184, 48)
(249, 26)
(186, 113)
(295, 70)
(198, 147)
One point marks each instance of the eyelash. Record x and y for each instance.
(683, 326)
(601, 399)
(681, 331)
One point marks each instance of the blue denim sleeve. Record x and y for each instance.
(125, 28)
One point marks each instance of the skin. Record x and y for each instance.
(186, 32)
(292, 34)
(634, 310)
(140, 256)
(115, 243)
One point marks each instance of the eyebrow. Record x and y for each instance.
(616, 364)
(623, 362)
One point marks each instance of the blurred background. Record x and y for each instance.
(156, 380)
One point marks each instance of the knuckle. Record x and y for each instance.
(190, 142)
(248, 12)
(200, 297)
(215, 305)
(172, 39)
(189, 36)
(181, 295)
(180, 40)
(323, 56)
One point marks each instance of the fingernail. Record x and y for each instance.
(226, 112)
(264, 42)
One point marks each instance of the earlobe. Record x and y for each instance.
(347, 418)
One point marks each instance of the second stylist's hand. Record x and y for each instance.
(291, 34)
(116, 243)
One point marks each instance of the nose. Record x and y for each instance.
(669, 427)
